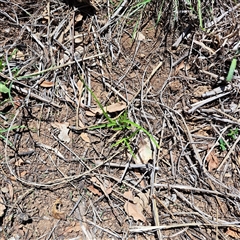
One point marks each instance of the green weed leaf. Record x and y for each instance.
(222, 145)
(233, 133)
(3, 88)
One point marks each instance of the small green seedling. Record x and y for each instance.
(122, 123)
(233, 133)
(4, 88)
(123, 188)
(222, 145)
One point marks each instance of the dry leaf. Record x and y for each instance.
(80, 124)
(95, 180)
(182, 65)
(80, 88)
(56, 212)
(79, 49)
(106, 188)
(63, 127)
(233, 232)
(12, 178)
(139, 203)
(94, 111)
(85, 137)
(179, 67)
(75, 228)
(4, 190)
(19, 163)
(10, 187)
(19, 55)
(109, 190)
(202, 132)
(144, 198)
(187, 67)
(78, 18)
(213, 161)
(23, 173)
(2, 207)
(44, 15)
(46, 84)
(115, 107)
(135, 211)
(140, 36)
(90, 113)
(78, 40)
(144, 153)
(93, 190)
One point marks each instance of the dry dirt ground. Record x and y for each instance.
(160, 162)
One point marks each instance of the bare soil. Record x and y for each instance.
(63, 179)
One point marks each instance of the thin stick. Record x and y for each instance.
(229, 153)
(139, 229)
(58, 67)
(33, 95)
(55, 182)
(147, 81)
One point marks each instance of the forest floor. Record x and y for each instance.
(119, 120)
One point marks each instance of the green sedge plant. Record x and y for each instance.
(159, 15)
(232, 68)
(121, 123)
(199, 11)
(138, 10)
(5, 88)
(4, 130)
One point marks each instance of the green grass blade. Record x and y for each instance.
(144, 130)
(231, 70)
(99, 104)
(200, 14)
(98, 126)
(8, 142)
